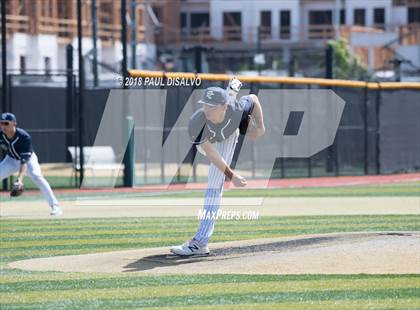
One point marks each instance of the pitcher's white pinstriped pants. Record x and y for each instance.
(214, 191)
(9, 166)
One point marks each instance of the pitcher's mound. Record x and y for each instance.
(350, 253)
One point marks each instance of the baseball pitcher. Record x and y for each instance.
(214, 129)
(20, 157)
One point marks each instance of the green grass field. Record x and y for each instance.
(408, 189)
(26, 238)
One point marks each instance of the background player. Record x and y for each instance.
(215, 129)
(20, 157)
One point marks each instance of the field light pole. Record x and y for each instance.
(259, 48)
(337, 19)
(3, 56)
(3, 66)
(95, 48)
(128, 156)
(81, 90)
(133, 34)
(124, 38)
(332, 159)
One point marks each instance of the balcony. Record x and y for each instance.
(320, 32)
(66, 29)
(250, 34)
(307, 35)
(232, 33)
(108, 33)
(196, 35)
(410, 34)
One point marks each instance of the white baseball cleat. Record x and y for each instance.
(56, 210)
(190, 248)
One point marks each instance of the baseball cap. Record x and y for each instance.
(7, 117)
(214, 96)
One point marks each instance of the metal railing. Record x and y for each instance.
(65, 29)
(292, 34)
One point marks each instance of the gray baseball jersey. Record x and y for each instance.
(201, 130)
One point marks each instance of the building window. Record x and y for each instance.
(342, 17)
(183, 24)
(232, 23)
(285, 22)
(22, 7)
(413, 15)
(320, 25)
(47, 8)
(265, 24)
(22, 64)
(64, 10)
(105, 13)
(9, 7)
(195, 23)
(379, 18)
(320, 17)
(157, 10)
(183, 20)
(359, 17)
(200, 23)
(159, 35)
(200, 20)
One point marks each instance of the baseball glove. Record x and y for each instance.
(17, 189)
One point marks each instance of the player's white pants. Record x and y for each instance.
(9, 166)
(214, 192)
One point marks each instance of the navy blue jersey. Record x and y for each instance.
(20, 147)
(201, 130)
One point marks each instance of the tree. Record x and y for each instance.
(347, 66)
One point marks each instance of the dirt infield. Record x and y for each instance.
(351, 253)
(168, 207)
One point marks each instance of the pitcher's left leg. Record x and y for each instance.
(214, 192)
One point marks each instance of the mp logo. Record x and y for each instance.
(299, 124)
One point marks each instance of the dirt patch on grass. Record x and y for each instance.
(350, 253)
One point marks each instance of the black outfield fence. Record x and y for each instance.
(379, 130)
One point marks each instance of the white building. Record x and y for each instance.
(39, 32)
(367, 25)
(223, 24)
